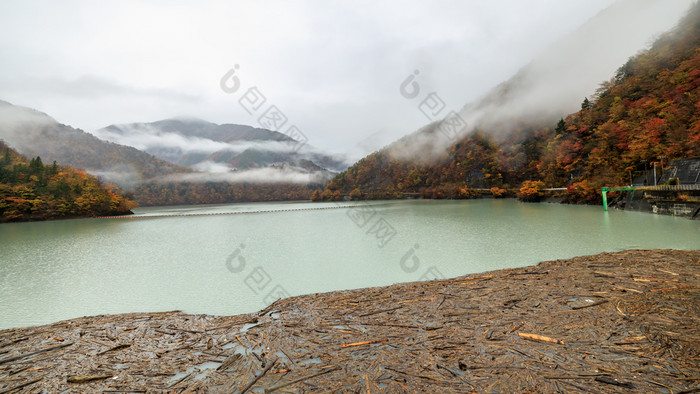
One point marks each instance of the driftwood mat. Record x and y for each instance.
(613, 322)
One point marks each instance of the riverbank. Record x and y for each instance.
(609, 322)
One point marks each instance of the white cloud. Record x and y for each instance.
(258, 175)
(211, 167)
(332, 67)
(145, 136)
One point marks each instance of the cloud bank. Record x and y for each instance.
(265, 175)
(145, 137)
(332, 67)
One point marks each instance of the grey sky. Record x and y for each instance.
(332, 67)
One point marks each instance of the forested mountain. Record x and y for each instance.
(34, 133)
(551, 85)
(185, 193)
(153, 181)
(647, 112)
(30, 190)
(200, 144)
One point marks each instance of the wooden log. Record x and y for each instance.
(667, 272)
(603, 274)
(589, 305)
(87, 378)
(228, 362)
(255, 380)
(460, 280)
(540, 338)
(8, 343)
(301, 379)
(672, 288)
(21, 356)
(364, 343)
(654, 280)
(419, 299)
(580, 388)
(381, 311)
(182, 379)
(19, 386)
(118, 347)
(580, 376)
(614, 382)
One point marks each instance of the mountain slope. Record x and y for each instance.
(553, 83)
(153, 181)
(30, 190)
(34, 133)
(647, 111)
(201, 144)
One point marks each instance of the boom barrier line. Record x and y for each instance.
(226, 213)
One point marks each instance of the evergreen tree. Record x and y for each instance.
(586, 104)
(561, 127)
(7, 158)
(38, 165)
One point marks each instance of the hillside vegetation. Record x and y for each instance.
(189, 142)
(156, 181)
(185, 193)
(30, 190)
(33, 133)
(647, 112)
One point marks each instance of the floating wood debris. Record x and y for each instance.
(541, 338)
(613, 322)
(86, 378)
(590, 305)
(364, 343)
(21, 356)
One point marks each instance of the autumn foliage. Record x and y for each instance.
(497, 192)
(185, 193)
(647, 113)
(531, 191)
(30, 190)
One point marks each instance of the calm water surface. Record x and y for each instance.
(230, 264)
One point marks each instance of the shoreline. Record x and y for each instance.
(685, 209)
(608, 322)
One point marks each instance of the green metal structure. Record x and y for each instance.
(605, 191)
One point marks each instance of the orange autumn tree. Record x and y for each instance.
(30, 190)
(531, 191)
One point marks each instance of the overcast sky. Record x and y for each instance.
(332, 67)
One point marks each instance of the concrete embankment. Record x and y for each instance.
(684, 203)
